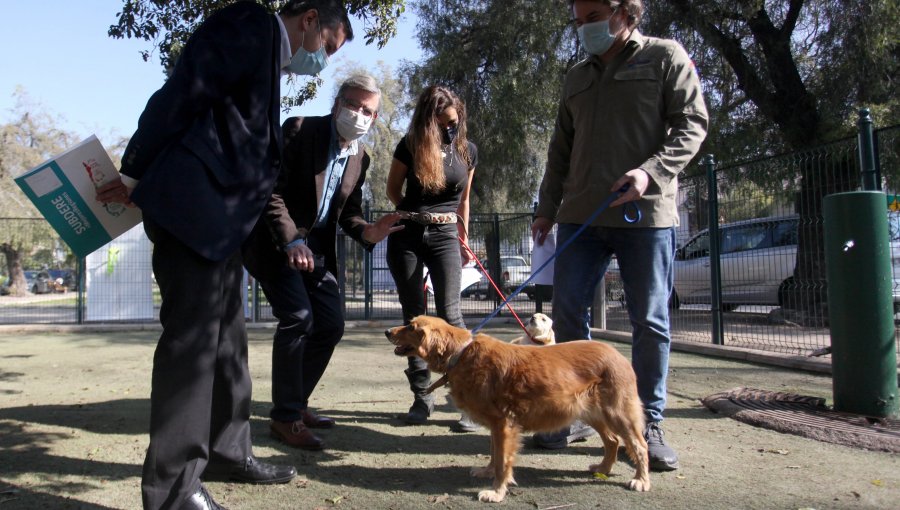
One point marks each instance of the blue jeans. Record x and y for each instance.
(646, 257)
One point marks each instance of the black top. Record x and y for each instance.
(456, 172)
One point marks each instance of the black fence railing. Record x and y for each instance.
(769, 225)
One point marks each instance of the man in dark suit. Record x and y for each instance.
(292, 250)
(202, 165)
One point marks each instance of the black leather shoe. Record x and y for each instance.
(201, 500)
(250, 471)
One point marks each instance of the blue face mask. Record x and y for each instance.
(308, 63)
(595, 37)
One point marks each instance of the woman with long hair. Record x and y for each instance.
(429, 183)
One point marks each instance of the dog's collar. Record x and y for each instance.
(450, 364)
(539, 340)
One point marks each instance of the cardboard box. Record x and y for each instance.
(64, 189)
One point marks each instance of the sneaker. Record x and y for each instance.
(577, 431)
(662, 456)
(464, 424)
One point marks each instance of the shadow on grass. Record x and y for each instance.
(14, 498)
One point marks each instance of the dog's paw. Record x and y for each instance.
(637, 484)
(482, 472)
(492, 496)
(602, 468)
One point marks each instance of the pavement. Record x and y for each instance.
(74, 412)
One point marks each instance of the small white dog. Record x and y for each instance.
(540, 331)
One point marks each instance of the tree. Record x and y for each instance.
(506, 61)
(30, 138)
(793, 72)
(167, 26)
(789, 75)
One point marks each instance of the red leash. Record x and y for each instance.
(499, 292)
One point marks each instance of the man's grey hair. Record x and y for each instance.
(634, 8)
(360, 81)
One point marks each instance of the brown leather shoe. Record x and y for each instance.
(295, 434)
(314, 421)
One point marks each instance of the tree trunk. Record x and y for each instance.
(18, 286)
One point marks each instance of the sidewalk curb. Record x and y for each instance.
(791, 361)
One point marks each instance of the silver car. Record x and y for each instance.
(757, 257)
(757, 261)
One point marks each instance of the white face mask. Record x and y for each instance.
(351, 125)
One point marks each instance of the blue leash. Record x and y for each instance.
(634, 217)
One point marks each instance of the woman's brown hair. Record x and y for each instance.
(424, 136)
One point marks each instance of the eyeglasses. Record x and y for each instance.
(357, 107)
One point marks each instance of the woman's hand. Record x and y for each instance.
(464, 253)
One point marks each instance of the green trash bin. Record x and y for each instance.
(860, 303)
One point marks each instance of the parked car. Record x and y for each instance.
(41, 283)
(47, 281)
(514, 271)
(894, 232)
(65, 279)
(757, 259)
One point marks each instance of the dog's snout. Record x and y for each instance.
(387, 333)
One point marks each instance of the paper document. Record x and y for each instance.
(64, 189)
(540, 254)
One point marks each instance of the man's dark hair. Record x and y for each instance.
(634, 8)
(331, 13)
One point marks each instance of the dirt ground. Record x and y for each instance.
(74, 415)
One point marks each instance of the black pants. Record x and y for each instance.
(200, 393)
(437, 248)
(310, 325)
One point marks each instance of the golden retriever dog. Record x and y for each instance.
(539, 329)
(510, 388)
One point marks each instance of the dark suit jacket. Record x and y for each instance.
(291, 211)
(207, 146)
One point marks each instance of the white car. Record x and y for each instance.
(514, 271)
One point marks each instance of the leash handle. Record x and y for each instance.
(603, 206)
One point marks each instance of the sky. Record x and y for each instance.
(59, 53)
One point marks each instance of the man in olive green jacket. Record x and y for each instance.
(632, 114)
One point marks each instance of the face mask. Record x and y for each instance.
(308, 63)
(448, 134)
(596, 37)
(351, 125)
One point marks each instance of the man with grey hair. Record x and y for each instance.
(631, 114)
(291, 252)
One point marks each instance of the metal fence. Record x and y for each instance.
(791, 317)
